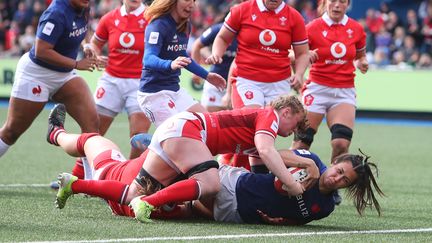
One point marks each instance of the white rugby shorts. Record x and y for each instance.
(36, 83)
(320, 99)
(114, 94)
(161, 105)
(251, 92)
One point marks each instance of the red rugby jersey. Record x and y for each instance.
(264, 38)
(125, 35)
(337, 46)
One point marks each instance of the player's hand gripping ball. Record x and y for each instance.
(299, 175)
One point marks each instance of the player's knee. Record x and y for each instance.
(82, 139)
(148, 183)
(305, 137)
(341, 131)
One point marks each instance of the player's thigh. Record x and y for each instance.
(342, 114)
(96, 145)
(76, 96)
(314, 119)
(186, 152)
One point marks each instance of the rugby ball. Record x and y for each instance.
(299, 175)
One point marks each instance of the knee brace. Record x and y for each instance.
(82, 140)
(202, 167)
(148, 182)
(341, 131)
(307, 137)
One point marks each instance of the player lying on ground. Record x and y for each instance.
(261, 196)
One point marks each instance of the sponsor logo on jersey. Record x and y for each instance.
(267, 37)
(127, 39)
(206, 32)
(78, 32)
(302, 206)
(153, 38)
(48, 28)
(116, 22)
(37, 90)
(338, 50)
(177, 47)
(74, 26)
(254, 17)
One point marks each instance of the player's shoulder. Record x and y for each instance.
(352, 23)
(314, 24)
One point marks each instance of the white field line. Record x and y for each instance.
(23, 185)
(217, 237)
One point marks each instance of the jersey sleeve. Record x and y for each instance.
(209, 35)
(233, 19)
(267, 123)
(154, 37)
(102, 31)
(361, 43)
(51, 28)
(299, 35)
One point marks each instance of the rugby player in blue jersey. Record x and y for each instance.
(254, 198)
(212, 98)
(160, 95)
(48, 71)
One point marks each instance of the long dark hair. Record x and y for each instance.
(362, 190)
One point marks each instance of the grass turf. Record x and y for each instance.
(28, 213)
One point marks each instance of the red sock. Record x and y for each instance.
(241, 160)
(54, 134)
(108, 190)
(185, 190)
(78, 169)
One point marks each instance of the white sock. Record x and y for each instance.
(3, 147)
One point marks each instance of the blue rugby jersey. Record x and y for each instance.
(64, 27)
(207, 39)
(257, 191)
(163, 44)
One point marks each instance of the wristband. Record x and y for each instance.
(87, 45)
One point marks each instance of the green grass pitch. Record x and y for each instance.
(28, 213)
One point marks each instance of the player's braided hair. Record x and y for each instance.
(361, 191)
